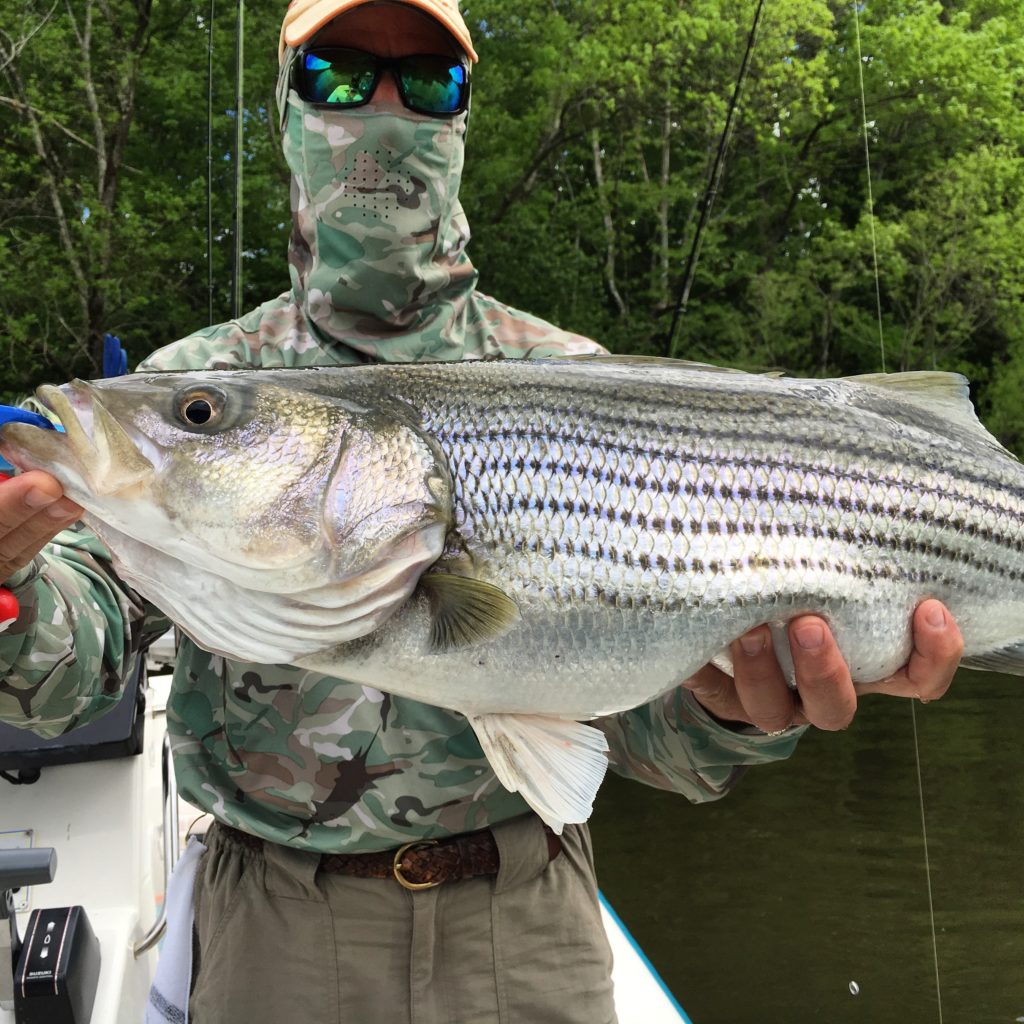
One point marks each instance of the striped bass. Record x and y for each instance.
(539, 543)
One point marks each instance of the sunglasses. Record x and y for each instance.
(427, 83)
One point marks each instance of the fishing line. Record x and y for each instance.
(927, 861)
(881, 344)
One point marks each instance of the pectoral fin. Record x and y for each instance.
(465, 611)
(556, 765)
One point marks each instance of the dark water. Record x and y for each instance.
(765, 906)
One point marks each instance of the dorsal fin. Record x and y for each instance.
(945, 397)
(929, 388)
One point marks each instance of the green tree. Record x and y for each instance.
(594, 128)
(103, 184)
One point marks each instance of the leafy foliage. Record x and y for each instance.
(103, 178)
(594, 128)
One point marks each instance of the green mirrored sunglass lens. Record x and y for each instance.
(336, 81)
(430, 85)
(436, 88)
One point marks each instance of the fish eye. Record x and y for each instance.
(200, 407)
(198, 411)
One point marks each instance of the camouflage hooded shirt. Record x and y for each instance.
(379, 271)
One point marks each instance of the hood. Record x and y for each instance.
(377, 252)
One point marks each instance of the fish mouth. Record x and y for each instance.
(75, 407)
(97, 454)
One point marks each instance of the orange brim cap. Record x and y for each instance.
(305, 17)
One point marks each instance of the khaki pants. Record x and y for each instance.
(281, 942)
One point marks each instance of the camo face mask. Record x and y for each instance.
(379, 236)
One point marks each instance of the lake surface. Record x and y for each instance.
(765, 906)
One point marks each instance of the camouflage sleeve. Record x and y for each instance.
(64, 661)
(221, 347)
(674, 744)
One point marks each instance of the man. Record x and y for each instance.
(317, 898)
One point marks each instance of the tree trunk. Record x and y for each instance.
(109, 102)
(663, 207)
(609, 225)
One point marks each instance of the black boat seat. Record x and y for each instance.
(116, 734)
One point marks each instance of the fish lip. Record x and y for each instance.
(44, 400)
(60, 401)
(108, 459)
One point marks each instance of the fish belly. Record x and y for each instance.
(593, 662)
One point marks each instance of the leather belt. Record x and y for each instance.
(423, 864)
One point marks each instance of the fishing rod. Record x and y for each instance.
(209, 165)
(236, 262)
(711, 189)
(707, 200)
(236, 272)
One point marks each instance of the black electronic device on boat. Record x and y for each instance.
(51, 976)
(58, 969)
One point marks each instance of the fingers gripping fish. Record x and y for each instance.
(537, 544)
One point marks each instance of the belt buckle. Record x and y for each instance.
(396, 866)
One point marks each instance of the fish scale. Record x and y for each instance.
(732, 477)
(751, 527)
(541, 543)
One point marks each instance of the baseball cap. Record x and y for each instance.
(305, 17)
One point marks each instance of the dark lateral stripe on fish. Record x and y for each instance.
(1010, 539)
(741, 459)
(650, 399)
(603, 429)
(648, 407)
(699, 567)
(607, 411)
(706, 526)
(507, 504)
(648, 403)
(633, 601)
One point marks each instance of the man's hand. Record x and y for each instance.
(825, 695)
(32, 511)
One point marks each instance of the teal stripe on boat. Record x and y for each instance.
(643, 956)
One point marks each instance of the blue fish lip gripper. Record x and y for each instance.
(115, 363)
(12, 414)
